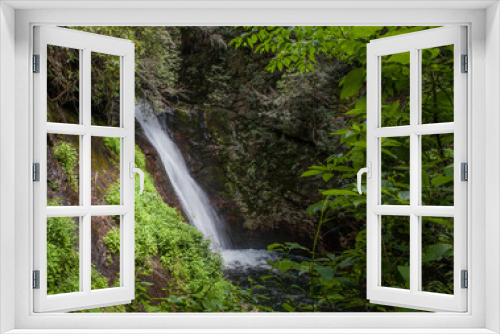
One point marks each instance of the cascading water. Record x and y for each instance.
(193, 199)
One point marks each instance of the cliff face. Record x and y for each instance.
(248, 134)
(252, 178)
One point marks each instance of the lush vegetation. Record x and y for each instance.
(165, 244)
(284, 110)
(165, 241)
(338, 279)
(63, 258)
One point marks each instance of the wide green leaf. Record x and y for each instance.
(312, 173)
(435, 252)
(439, 180)
(337, 192)
(353, 82)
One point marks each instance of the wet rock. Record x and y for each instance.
(178, 136)
(196, 166)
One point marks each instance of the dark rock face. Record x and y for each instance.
(202, 158)
(262, 130)
(255, 215)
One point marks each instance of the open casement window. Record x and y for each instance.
(69, 206)
(416, 145)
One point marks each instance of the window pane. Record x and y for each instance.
(105, 183)
(63, 81)
(437, 169)
(437, 84)
(395, 169)
(437, 255)
(105, 252)
(63, 255)
(105, 89)
(395, 89)
(396, 251)
(63, 170)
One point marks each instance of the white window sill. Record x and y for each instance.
(251, 331)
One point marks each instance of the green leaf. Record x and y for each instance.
(325, 272)
(439, 180)
(285, 265)
(294, 245)
(404, 271)
(327, 177)
(275, 246)
(352, 83)
(343, 169)
(337, 192)
(311, 173)
(400, 58)
(435, 252)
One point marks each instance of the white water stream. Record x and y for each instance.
(193, 199)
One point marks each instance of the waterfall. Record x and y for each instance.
(193, 199)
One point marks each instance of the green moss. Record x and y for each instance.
(98, 281)
(112, 240)
(113, 144)
(67, 155)
(62, 257)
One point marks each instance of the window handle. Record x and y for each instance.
(368, 171)
(134, 170)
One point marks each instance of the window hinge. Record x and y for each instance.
(36, 279)
(464, 171)
(465, 279)
(36, 63)
(36, 172)
(465, 63)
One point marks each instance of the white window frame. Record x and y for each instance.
(483, 21)
(414, 43)
(86, 44)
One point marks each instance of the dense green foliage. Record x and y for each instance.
(300, 97)
(197, 283)
(157, 63)
(296, 49)
(167, 248)
(164, 242)
(63, 257)
(67, 155)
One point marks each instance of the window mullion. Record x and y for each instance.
(81, 221)
(86, 162)
(85, 253)
(86, 122)
(414, 171)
